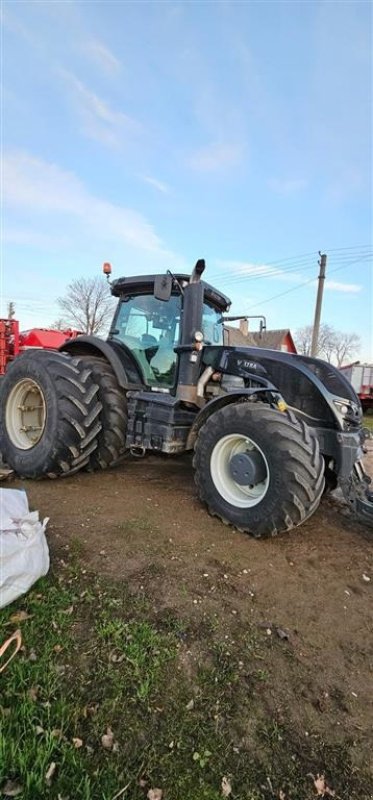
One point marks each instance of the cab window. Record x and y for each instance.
(212, 329)
(149, 328)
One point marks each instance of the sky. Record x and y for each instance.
(153, 134)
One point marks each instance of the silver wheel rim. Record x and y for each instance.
(234, 493)
(25, 414)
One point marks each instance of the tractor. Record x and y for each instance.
(270, 431)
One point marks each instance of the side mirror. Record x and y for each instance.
(163, 287)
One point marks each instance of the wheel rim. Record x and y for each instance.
(234, 493)
(25, 414)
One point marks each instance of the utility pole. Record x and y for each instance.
(320, 292)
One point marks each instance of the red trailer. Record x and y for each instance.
(13, 342)
(361, 377)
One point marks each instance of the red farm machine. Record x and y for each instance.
(14, 342)
(361, 378)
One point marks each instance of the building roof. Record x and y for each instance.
(238, 339)
(272, 340)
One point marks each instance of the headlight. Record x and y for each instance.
(350, 410)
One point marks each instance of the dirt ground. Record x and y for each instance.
(142, 523)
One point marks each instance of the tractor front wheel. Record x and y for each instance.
(258, 469)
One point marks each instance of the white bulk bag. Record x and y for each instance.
(24, 555)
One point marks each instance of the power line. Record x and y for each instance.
(353, 247)
(314, 253)
(273, 273)
(264, 270)
(277, 272)
(341, 254)
(299, 285)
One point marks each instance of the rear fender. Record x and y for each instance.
(238, 396)
(120, 358)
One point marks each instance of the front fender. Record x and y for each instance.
(237, 396)
(119, 358)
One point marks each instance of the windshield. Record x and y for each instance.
(150, 329)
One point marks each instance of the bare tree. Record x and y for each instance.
(59, 324)
(303, 340)
(327, 343)
(87, 304)
(347, 345)
(334, 346)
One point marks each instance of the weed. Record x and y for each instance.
(135, 524)
(202, 758)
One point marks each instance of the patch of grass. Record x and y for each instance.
(136, 524)
(368, 421)
(98, 661)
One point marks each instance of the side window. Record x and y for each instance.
(212, 328)
(149, 328)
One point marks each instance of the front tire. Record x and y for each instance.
(49, 415)
(282, 456)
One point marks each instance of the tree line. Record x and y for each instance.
(337, 347)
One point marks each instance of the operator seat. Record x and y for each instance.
(137, 349)
(164, 361)
(147, 340)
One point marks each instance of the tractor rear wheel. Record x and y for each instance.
(49, 415)
(258, 469)
(111, 441)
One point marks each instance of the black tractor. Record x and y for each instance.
(270, 431)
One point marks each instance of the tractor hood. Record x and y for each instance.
(314, 387)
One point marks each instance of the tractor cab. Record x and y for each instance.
(151, 315)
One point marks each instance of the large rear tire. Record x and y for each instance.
(111, 441)
(49, 415)
(279, 453)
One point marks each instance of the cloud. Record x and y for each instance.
(243, 269)
(336, 286)
(12, 23)
(99, 120)
(41, 188)
(162, 187)
(28, 237)
(216, 156)
(287, 186)
(101, 56)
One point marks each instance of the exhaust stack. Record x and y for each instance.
(190, 344)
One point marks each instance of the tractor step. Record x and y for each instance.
(157, 421)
